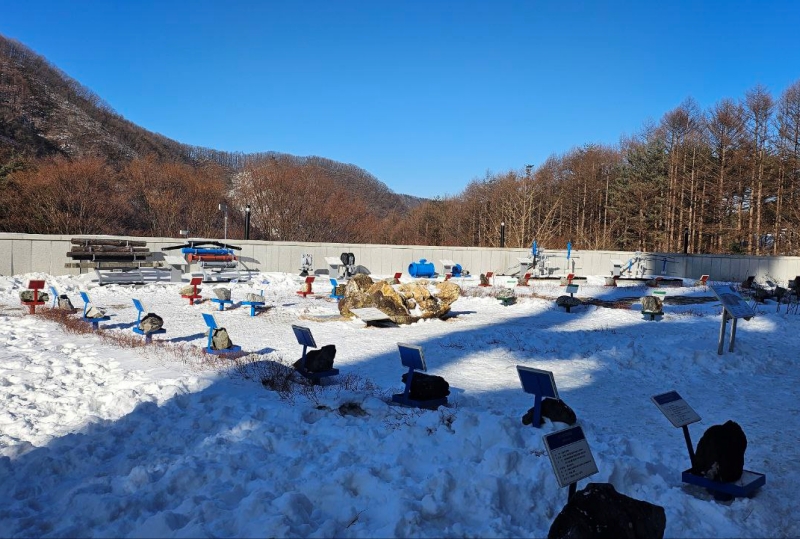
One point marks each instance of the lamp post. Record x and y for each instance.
(502, 233)
(247, 222)
(224, 208)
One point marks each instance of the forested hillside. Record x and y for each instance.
(726, 179)
(70, 164)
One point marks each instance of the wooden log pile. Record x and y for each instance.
(108, 250)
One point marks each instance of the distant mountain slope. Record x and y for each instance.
(44, 112)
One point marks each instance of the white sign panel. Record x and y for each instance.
(736, 306)
(675, 409)
(570, 455)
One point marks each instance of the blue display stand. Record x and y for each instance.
(54, 292)
(539, 383)
(211, 322)
(95, 322)
(681, 415)
(254, 305)
(304, 338)
(148, 335)
(745, 487)
(411, 357)
(222, 302)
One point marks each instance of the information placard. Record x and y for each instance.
(675, 409)
(572, 288)
(537, 382)
(735, 304)
(570, 455)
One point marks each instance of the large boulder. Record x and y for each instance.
(720, 453)
(600, 511)
(356, 294)
(403, 303)
(567, 301)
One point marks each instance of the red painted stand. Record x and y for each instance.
(35, 286)
(307, 287)
(570, 276)
(489, 275)
(194, 295)
(525, 280)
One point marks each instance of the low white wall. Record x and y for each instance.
(26, 253)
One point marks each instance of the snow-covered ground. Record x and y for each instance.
(99, 439)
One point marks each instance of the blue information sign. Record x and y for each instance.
(303, 335)
(411, 357)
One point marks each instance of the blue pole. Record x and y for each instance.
(569, 249)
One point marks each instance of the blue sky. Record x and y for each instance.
(424, 95)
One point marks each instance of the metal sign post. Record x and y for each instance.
(679, 413)
(570, 456)
(733, 307)
(541, 384)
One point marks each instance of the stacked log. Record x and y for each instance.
(108, 250)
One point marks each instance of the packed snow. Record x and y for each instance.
(99, 439)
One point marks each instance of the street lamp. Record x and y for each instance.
(224, 208)
(247, 222)
(502, 233)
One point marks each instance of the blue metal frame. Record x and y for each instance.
(222, 302)
(411, 356)
(95, 322)
(148, 336)
(726, 491)
(211, 322)
(55, 296)
(254, 305)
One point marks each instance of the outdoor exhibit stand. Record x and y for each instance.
(733, 307)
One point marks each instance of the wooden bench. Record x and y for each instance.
(34, 285)
(95, 322)
(148, 335)
(304, 338)
(411, 356)
(194, 283)
(306, 290)
(211, 322)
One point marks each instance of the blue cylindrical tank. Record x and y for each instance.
(423, 268)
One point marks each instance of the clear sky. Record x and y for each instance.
(425, 95)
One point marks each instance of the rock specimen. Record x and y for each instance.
(567, 301)
(426, 387)
(404, 303)
(720, 453)
(554, 410)
(600, 511)
(222, 293)
(318, 360)
(652, 304)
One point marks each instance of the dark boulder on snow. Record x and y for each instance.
(554, 410)
(720, 453)
(319, 360)
(425, 387)
(600, 511)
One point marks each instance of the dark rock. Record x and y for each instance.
(427, 386)
(484, 280)
(600, 511)
(567, 301)
(554, 410)
(720, 453)
(320, 360)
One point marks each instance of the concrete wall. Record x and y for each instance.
(26, 253)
